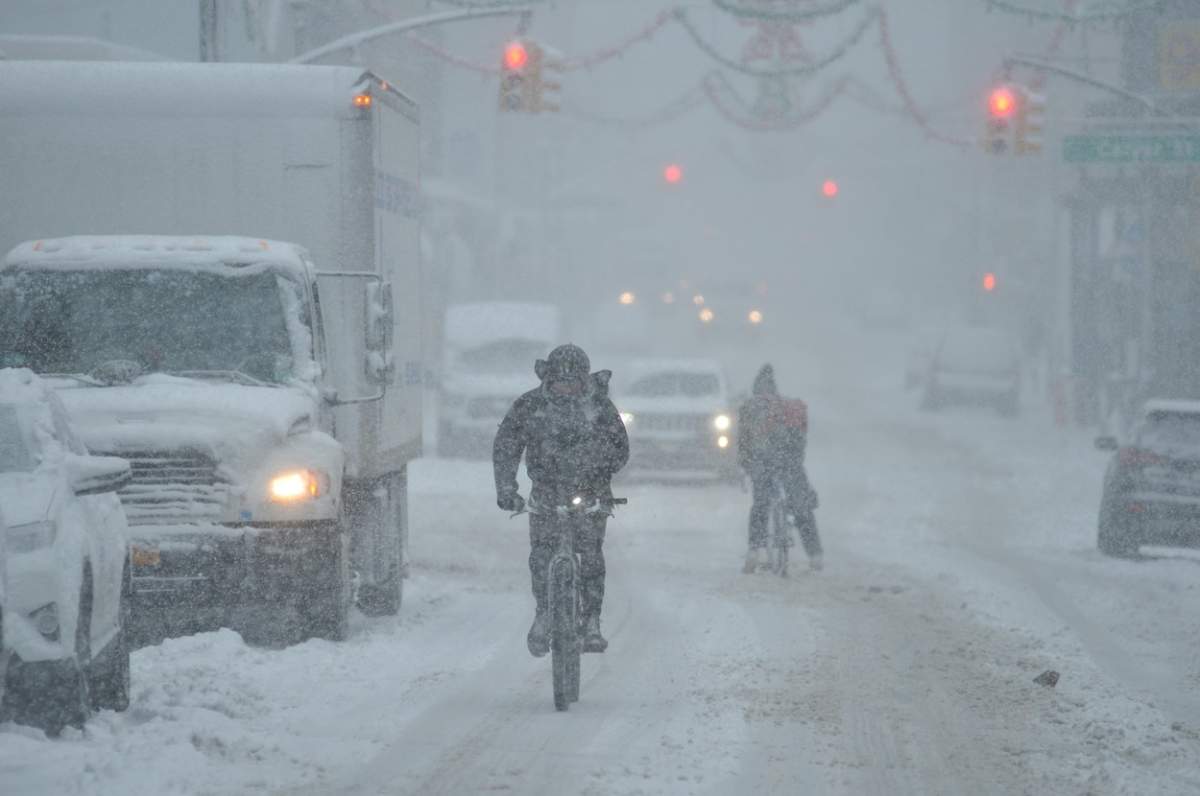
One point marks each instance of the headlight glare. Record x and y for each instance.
(722, 422)
(32, 536)
(295, 485)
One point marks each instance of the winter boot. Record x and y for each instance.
(538, 639)
(592, 640)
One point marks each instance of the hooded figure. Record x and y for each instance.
(772, 438)
(573, 441)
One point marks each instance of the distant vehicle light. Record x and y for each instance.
(627, 298)
(627, 418)
(706, 315)
(698, 300)
(722, 422)
(673, 173)
(668, 298)
(755, 317)
(829, 188)
(989, 282)
(722, 442)
(363, 100)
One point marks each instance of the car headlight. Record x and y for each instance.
(627, 418)
(296, 485)
(32, 536)
(722, 422)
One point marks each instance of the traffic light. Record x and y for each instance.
(1031, 116)
(1002, 107)
(829, 189)
(673, 173)
(523, 89)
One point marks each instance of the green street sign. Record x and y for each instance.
(1131, 149)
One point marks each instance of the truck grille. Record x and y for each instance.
(692, 424)
(173, 487)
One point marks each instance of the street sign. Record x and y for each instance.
(1131, 149)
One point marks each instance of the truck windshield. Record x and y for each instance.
(14, 452)
(176, 321)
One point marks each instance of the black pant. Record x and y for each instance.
(797, 493)
(589, 544)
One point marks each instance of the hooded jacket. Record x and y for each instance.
(568, 443)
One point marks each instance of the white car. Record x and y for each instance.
(679, 417)
(67, 577)
(975, 364)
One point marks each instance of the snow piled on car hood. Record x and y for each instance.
(165, 413)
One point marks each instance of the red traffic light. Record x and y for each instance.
(830, 188)
(673, 173)
(1002, 102)
(515, 56)
(989, 282)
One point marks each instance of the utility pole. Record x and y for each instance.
(208, 31)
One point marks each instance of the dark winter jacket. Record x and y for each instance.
(772, 430)
(573, 443)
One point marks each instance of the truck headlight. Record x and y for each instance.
(32, 536)
(722, 422)
(296, 485)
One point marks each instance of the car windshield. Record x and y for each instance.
(671, 383)
(503, 356)
(1171, 430)
(166, 321)
(15, 455)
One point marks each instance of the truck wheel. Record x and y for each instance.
(110, 687)
(384, 596)
(325, 610)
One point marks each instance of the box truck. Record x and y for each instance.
(220, 269)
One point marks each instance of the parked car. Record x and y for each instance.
(975, 364)
(67, 578)
(679, 417)
(1152, 485)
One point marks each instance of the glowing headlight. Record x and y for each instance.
(755, 317)
(34, 536)
(627, 418)
(722, 422)
(576, 501)
(722, 442)
(295, 485)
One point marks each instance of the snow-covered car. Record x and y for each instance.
(679, 417)
(67, 577)
(975, 364)
(1152, 485)
(488, 361)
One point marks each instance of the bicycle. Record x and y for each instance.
(779, 532)
(562, 589)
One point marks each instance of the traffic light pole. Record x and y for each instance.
(361, 37)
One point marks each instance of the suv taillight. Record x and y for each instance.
(1138, 457)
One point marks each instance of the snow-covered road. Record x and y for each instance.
(960, 565)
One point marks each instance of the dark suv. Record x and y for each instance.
(1152, 486)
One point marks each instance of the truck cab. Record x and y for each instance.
(204, 363)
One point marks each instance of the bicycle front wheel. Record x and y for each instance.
(564, 642)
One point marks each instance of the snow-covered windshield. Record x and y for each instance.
(503, 356)
(666, 384)
(14, 449)
(177, 321)
(1171, 429)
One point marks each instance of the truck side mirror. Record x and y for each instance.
(379, 322)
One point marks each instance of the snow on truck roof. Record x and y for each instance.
(74, 88)
(154, 251)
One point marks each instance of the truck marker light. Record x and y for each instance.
(362, 100)
(295, 485)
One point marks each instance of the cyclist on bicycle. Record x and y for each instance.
(772, 437)
(572, 438)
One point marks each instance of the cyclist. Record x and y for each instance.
(572, 437)
(772, 437)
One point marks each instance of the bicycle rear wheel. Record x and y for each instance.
(564, 643)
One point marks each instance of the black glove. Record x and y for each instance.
(510, 501)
